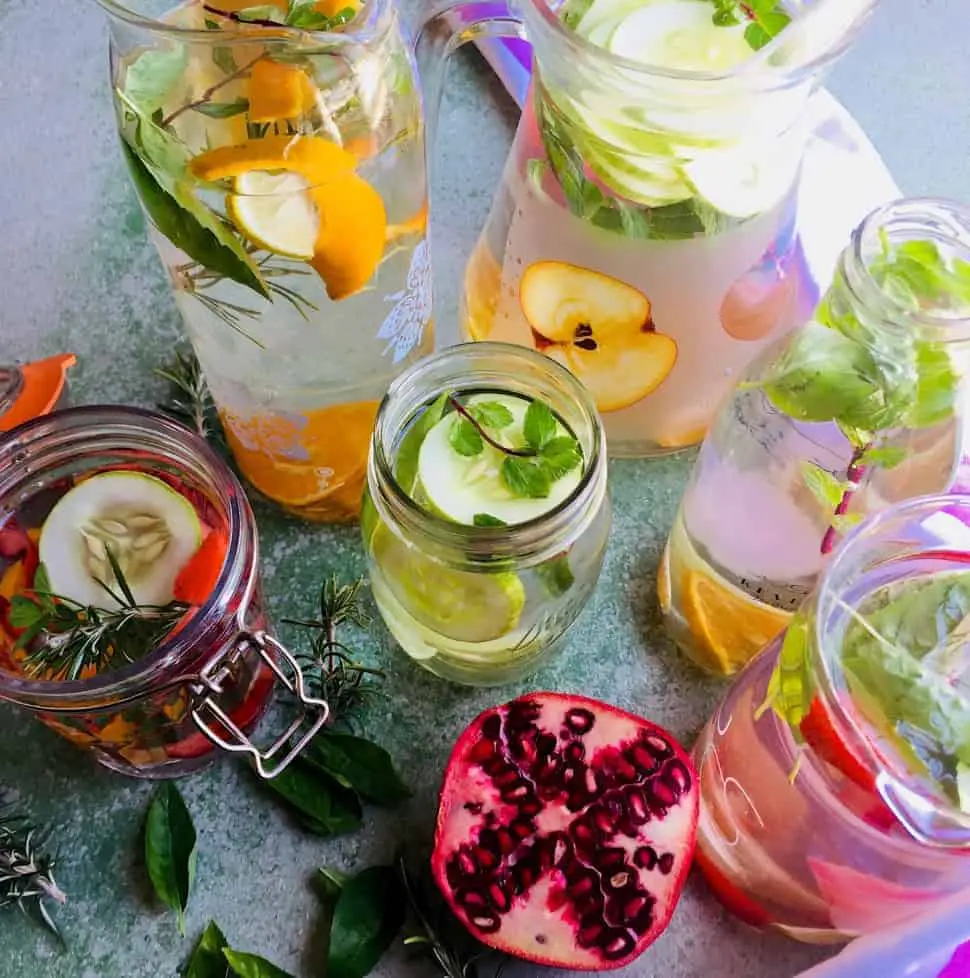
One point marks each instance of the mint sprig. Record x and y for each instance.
(530, 471)
(766, 19)
(301, 14)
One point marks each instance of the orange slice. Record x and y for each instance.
(279, 92)
(315, 467)
(43, 383)
(316, 159)
(330, 8)
(727, 626)
(350, 243)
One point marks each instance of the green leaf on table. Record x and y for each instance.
(223, 110)
(207, 960)
(824, 486)
(150, 78)
(491, 414)
(486, 519)
(540, 425)
(330, 882)
(556, 575)
(367, 917)
(322, 805)
(252, 966)
(170, 849)
(406, 463)
(192, 227)
(529, 478)
(465, 438)
(561, 456)
(358, 764)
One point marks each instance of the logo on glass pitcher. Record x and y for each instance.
(405, 325)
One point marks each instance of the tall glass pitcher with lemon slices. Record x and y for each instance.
(278, 152)
(645, 233)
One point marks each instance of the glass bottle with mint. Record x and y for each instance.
(860, 408)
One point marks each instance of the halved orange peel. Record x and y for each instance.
(279, 91)
(43, 382)
(320, 211)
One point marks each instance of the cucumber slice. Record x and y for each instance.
(458, 487)
(460, 605)
(152, 531)
(679, 34)
(745, 181)
(653, 183)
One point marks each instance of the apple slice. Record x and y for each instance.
(599, 328)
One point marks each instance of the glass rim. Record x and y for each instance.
(557, 31)
(480, 542)
(901, 212)
(826, 599)
(367, 19)
(242, 550)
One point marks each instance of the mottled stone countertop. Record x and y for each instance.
(77, 274)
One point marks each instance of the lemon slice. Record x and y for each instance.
(275, 211)
(461, 605)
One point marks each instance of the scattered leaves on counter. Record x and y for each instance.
(170, 849)
(320, 804)
(207, 960)
(252, 966)
(360, 765)
(367, 915)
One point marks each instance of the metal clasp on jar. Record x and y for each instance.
(210, 683)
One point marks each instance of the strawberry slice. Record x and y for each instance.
(197, 579)
(821, 735)
(734, 899)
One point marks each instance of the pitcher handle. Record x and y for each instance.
(445, 29)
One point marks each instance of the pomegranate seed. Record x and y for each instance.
(501, 901)
(645, 857)
(483, 751)
(575, 751)
(580, 721)
(545, 744)
(492, 726)
(616, 943)
(486, 923)
(466, 861)
(643, 760)
(658, 747)
(636, 805)
(666, 863)
(677, 776)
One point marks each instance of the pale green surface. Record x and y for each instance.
(79, 274)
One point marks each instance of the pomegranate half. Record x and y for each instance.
(565, 831)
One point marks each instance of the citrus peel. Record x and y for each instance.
(278, 91)
(314, 158)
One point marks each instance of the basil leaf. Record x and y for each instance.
(252, 966)
(540, 425)
(170, 853)
(486, 519)
(192, 227)
(207, 960)
(556, 575)
(322, 805)
(527, 477)
(223, 110)
(406, 463)
(150, 78)
(358, 764)
(465, 438)
(24, 612)
(367, 917)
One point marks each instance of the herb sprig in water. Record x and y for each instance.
(63, 638)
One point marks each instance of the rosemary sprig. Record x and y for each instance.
(439, 934)
(63, 637)
(26, 874)
(190, 400)
(333, 671)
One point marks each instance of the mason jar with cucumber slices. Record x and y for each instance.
(645, 234)
(486, 516)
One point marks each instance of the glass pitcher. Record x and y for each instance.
(278, 152)
(835, 797)
(645, 232)
(863, 406)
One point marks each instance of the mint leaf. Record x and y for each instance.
(540, 425)
(464, 438)
(409, 451)
(486, 519)
(153, 75)
(264, 12)
(561, 455)
(884, 457)
(826, 489)
(491, 414)
(223, 110)
(556, 576)
(527, 477)
(303, 14)
(936, 386)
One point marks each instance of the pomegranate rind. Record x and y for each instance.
(578, 870)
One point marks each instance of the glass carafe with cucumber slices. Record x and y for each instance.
(645, 233)
(863, 406)
(486, 516)
(835, 774)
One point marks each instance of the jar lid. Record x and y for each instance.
(32, 389)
